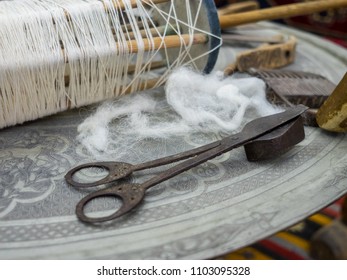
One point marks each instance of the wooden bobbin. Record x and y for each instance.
(330, 242)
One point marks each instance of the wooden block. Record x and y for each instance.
(266, 56)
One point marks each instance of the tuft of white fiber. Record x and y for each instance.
(194, 103)
(212, 103)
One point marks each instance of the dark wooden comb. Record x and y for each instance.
(293, 87)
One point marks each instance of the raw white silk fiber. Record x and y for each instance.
(194, 103)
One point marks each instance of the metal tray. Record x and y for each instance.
(213, 209)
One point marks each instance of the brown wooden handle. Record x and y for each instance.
(238, 8)
(284, 11)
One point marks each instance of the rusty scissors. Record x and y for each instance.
(131, 194)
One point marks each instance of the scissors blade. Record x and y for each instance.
(251, 131)
(263, 125)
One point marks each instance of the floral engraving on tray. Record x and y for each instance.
(27, 173)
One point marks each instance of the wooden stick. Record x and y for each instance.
(153, 65)
(232, 38)
(157, 43)
(133, 3)
(140, 25)
(238, 8)
(148, 84)
(172, 41)
(284, 11)
(155, 31)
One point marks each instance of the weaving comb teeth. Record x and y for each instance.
(295, 87)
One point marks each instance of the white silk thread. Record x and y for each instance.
(61, 54)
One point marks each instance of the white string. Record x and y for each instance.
(194, 103)
(60, 54)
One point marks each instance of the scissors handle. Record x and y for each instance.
(130, 196)
(115, 171)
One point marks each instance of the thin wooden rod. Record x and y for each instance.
(238, 8)
(157, 43)
(155, 31)
(280, 12)
(140, 25)
(148, 84)
(133, 3)
(172, 41)
(232, 38)
(168, 42)
(152, 66)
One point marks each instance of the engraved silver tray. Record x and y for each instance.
(213, 209)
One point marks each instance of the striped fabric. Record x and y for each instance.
(292, 244)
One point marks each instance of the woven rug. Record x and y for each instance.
(292, 244)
